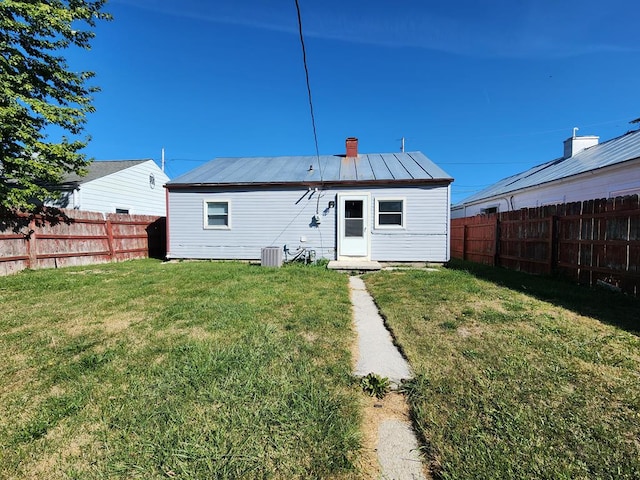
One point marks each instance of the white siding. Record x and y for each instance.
(425, 236)
(128, 189)
(605, 183)
(283, 216)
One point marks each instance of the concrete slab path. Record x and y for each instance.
(397, 446)
(377, 353)
(398, 451)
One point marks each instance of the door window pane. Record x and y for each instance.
(353, 209)
(353, 227)
(353, 218)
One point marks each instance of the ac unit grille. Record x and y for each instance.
(271, 257)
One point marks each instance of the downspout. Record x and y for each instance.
(448, 210)
(509, 202)
(166, 216)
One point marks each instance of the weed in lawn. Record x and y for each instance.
(449, 325)
(375, 385)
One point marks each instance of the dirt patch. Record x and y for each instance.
(91, 271)
(18, 380)
(310, 337)
(111, 325)
(469, 331)
(195, 333)
(76, 452)
(116, 324)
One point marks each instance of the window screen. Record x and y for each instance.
(217, 214)
(390, 213)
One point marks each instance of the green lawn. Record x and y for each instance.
(181, 370)
(518, 376)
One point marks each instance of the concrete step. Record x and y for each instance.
(354, 265)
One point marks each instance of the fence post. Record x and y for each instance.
(553, 243)
(110, 238)
(464, 241)
(496, 243)
(32, 245)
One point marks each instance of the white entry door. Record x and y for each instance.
(353, 225)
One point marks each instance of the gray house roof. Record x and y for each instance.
(615, 151)
(408, 167)
(101, 168)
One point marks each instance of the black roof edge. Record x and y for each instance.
(354, 183)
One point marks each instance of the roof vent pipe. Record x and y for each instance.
(352, 147)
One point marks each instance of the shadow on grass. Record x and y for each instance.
(609, 307)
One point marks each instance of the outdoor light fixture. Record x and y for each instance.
(332, 204)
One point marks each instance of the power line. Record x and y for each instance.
(306, 72)
(313, 119)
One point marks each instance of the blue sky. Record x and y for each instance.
(484, 89)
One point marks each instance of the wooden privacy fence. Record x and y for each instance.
(595, 241)
(60, 238)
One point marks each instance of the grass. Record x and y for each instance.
(187, 370)
(517, 376)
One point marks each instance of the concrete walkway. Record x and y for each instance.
(397, 447)
(377, 353)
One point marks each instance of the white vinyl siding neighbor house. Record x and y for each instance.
(118, 186)
(587, 170)
(231, 208)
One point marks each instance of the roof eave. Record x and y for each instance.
(313, 183)
(560, 180)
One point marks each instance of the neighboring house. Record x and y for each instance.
(116, 186)
(587, 170)
(380, 207)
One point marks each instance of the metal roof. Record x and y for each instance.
(101, 168)
(378, 167)
(615, 151)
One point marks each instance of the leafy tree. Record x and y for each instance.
(39, 95)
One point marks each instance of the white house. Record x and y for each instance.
(378, 207)
(116, 186)
(587, 170)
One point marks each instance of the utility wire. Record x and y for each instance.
(306, 72)
(313, 120)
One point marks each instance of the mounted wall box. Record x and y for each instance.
(271, 257)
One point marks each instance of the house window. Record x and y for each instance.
(390, 213)
(122, 210)
(216, 214)
(489, 210)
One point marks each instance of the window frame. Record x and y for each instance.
(403, 213)
(490, 209)
(205, 214)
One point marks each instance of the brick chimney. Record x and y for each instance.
(352, 147)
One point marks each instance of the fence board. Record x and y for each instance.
(591, 242)
(70, 237)
(474, 239)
